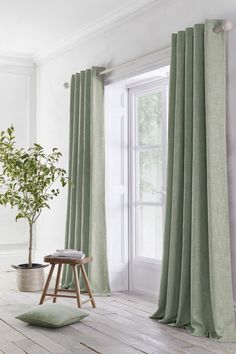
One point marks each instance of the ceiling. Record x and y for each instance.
(29, 27)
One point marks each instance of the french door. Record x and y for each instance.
(147, 173)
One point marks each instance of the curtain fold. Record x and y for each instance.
(196, 284)
(86, 220)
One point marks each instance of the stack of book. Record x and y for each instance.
(69, 253)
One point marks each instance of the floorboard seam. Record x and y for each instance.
(87, 346)
(118, 340)
(20, 347)
(30, 339)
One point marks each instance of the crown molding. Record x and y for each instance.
(104, 24)
(17, 59)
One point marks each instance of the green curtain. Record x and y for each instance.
(86, 221)
(196, 284)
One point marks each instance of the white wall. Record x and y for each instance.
(17, 107)
(141, 35)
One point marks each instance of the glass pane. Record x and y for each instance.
(149, 110)
(150, 231)
(150, 175)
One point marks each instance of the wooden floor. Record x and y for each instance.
(119, 325)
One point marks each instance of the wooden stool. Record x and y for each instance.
(74, 263)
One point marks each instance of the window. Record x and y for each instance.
(148, 122)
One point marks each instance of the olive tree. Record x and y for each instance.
(27, 179)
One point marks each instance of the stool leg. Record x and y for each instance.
(77, 286)
(47, 284)
(88, 286)
(57, 281)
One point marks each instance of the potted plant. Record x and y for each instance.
(27, 177)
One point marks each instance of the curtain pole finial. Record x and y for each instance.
(225, 26)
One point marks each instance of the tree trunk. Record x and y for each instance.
(30, 245)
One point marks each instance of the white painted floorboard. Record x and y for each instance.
(119, 325)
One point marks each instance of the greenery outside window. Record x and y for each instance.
(148, 127)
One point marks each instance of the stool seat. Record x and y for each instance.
(67, 260)
(74, 263)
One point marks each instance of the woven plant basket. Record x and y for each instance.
(30, 279)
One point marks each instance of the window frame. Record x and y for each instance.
(134, 149)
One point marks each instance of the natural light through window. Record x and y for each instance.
(148, 155)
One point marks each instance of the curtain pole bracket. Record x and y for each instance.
(66, 85)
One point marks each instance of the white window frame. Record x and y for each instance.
(133, 93)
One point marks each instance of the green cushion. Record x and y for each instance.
(52, 315)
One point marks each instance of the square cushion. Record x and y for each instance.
(52, 315)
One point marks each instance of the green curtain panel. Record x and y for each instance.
(196, 283)
(86, 221)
